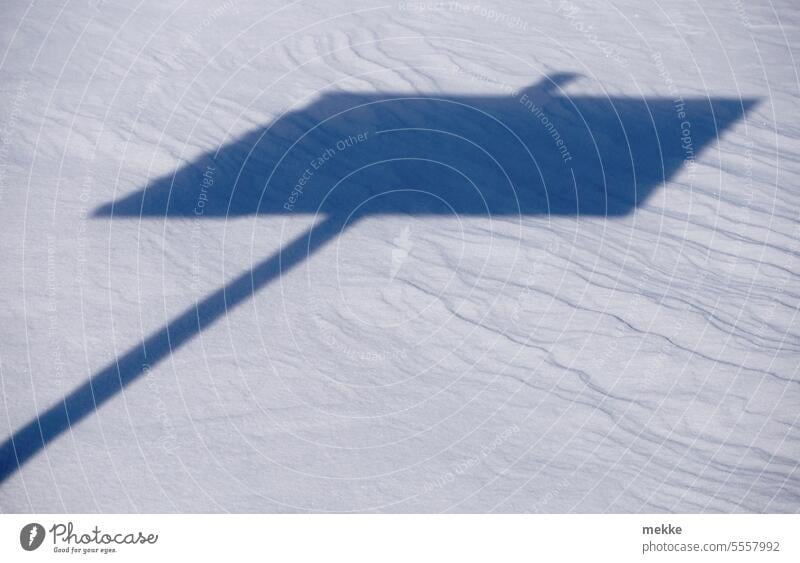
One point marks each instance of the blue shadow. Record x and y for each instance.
(348, 156)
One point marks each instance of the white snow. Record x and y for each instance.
(644, 361)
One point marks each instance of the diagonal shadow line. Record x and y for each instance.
(29, 440)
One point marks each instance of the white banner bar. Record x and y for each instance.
(399, 538)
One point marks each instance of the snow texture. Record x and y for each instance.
(399, 257)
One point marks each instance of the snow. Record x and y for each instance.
(368, 277)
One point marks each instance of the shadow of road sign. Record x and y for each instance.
(346, 156)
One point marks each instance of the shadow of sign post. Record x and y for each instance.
(347, 156)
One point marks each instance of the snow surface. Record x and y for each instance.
(463, 318)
